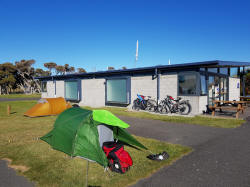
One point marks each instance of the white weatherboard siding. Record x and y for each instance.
(234, 92)
(168, 85)
(143, 85)
(93, 92)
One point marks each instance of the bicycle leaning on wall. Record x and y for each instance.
(144, 103)
(171, 105)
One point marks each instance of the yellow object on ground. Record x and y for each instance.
(48, 106)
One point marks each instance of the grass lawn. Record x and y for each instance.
(20, 96)
(19, 141)
(197, 120)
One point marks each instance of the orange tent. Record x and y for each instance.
(48, 106)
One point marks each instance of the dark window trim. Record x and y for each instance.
(128, 91)
(79, 90)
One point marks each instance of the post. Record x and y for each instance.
(87, 170)
(8, 109)
(243, 82)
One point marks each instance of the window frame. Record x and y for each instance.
(197, 74)
(79, 94)
(128, 91)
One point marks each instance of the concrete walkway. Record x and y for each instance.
(220, 157)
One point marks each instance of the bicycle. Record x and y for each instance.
(144, 103)
(169, 104)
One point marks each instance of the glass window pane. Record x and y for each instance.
(203, 85)
(234, 72)
(187, 84)
(214, 70)
(71, 90)
(224, 71)
(202, 69)
(117, 90)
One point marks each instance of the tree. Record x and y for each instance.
(40, 73)
(25, 76)
(60, 70)
(69, 69)
(111, 68)
(7, 77)
(81, 70)
(50, 66)
(124, 67)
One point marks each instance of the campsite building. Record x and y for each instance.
(200, 83)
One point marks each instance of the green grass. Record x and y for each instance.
(20, 96)
(197, 120)
(19, 142)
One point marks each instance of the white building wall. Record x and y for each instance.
(202, 104)
(143, 85)
(60, 89)
(50, 90)
(234, 89)
(194, 102)
(168, 85)
(93, 92)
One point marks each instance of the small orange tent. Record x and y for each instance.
(48, 106)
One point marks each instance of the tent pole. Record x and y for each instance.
(87, 170)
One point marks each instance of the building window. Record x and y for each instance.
(117, 91)
(213, 70)
(187, 83)
(234, 72)
(44, 86)
(72, 90)
(224, 71)
(203, 85)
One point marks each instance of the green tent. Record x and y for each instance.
(80, 132)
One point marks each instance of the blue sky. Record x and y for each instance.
(94, 34)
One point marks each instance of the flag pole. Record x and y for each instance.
(136, 53)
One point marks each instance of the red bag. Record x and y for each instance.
(119, 159)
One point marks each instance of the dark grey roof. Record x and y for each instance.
(184, 66)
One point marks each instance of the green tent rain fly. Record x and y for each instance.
(80, 133)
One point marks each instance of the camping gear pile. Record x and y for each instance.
(119, 159)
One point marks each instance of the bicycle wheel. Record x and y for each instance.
(136, 105)
(163, 109)
(151, 105)
(184, 108)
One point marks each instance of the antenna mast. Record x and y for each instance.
(136, 53)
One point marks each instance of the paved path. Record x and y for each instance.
(19, 99)
(221, 157)
(9, 178)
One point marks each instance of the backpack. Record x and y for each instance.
(119, 159)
